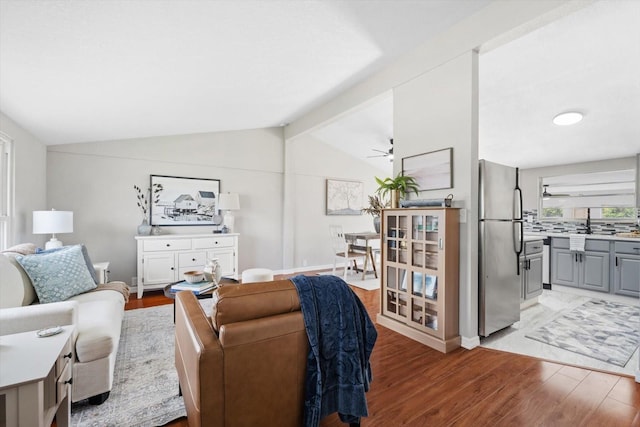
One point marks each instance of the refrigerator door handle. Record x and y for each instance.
(518, 209)
(518, 245)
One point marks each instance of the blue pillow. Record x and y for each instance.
(58, 275)
(85, 254)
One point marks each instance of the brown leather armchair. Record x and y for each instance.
(244, 366)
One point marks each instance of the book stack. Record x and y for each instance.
(196, 288)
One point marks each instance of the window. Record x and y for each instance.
(552, 213)
(618, 213)
(610, 195)
(6, 189)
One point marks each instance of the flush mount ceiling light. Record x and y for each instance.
(568, 118)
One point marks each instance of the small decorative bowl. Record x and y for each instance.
(194, 276)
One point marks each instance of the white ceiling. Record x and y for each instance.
(360, 133)
(79, 71)
(588, 61)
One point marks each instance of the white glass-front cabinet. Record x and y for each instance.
(419, 295)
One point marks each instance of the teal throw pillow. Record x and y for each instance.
(59, 275)
(85, 254)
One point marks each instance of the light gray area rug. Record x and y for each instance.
(145, 383)
(603, 330)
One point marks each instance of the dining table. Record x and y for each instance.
(366, 237)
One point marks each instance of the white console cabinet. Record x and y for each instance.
(163, 259)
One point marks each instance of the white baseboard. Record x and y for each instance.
(470, 342)
(638, 375)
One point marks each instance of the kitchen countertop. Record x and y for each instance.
(543, 234)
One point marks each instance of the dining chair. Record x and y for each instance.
(343, 250)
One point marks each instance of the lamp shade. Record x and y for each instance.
(52, 222)
(229, 201)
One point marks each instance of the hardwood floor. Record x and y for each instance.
(414, 385)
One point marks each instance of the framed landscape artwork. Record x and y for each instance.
(344, 197)
(432, 171)
(184, 201)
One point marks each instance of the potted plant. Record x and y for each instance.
(375, 210)
(397, 187)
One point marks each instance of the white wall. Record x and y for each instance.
(499, 22)
(30, 157)
(439, 110)
(309, 163)
(529, 177)
(95, 181)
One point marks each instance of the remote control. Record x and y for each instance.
(47, 332)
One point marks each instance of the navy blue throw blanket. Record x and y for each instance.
(341, 339)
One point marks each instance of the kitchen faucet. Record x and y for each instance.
(588, 221)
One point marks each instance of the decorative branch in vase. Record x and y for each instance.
(143, 200)
(375, 210)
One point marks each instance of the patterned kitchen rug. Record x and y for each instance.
(603, 330)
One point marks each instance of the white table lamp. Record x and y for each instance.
(52, 222)
(229, 202)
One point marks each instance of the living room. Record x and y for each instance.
(279, 172)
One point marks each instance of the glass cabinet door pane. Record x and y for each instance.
(417, 222)
(430, 317)
(402, 279)
(392, 302)
(418, 283)
(402, 305)
(431, 286)
(392, 281)
(392, 222)
(402, 276)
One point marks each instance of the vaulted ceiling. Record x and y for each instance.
(588, 61)
(80, 71)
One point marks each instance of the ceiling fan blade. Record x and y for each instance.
(380, 155)
(380, 151)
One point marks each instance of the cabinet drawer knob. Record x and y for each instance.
(172, 268)
(193, 259)
(68, 356)
(168, 244)
(69, 381)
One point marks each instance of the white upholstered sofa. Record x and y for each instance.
(97, 316)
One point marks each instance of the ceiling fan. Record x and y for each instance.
(388, 153)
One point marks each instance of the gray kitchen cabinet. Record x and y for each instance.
(627, 269)
(564, 270)
(533, 277)
(531, 270)
(588, 270)
(594, 271)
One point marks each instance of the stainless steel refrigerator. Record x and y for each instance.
(500, 246)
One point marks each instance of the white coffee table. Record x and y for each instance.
(35, 378)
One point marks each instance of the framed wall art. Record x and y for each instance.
(184, 201)
(432, 171)
(344, 197)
